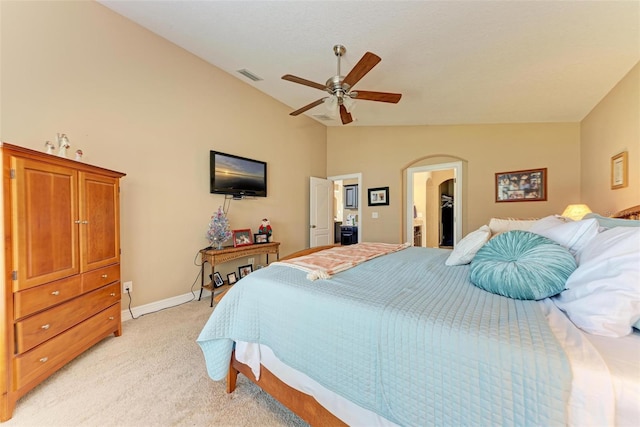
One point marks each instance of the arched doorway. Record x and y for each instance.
(434, 204)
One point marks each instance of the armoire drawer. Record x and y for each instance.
(35, 299)
(45, 325)
(100, 277)
(53, 354)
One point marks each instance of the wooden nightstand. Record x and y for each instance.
(220, 256)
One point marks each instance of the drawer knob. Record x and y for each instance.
(104, 276)
(85, 222)
(45, 327)
(111, 317)
(77, 221)
(113, 294)
(55, 293)
(44, 359)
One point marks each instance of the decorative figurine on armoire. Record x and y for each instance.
(78, 155)
(63, 144)
(49, 147)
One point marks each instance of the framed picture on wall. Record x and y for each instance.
(619, 171)
(378, 196)
(522, 186)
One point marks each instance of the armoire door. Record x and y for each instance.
(99, 224)
(44, 222)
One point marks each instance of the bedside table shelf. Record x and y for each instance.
(220, 256)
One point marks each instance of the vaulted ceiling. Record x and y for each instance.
(455, 62)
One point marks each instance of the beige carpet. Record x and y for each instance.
(153, 375)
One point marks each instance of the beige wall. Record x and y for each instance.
(382, 154)
(139, 104)
(136, 103)
(612, 127)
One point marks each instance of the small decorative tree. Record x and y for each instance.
(219, 231)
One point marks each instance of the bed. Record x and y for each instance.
(405, 339)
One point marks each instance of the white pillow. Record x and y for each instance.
(602, 295)
(464, 251)
(502, 225)
(573, 235)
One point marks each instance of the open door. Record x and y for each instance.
(320, 212)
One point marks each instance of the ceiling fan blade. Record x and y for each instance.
(378, 96)
(302, 81)
(345, 115)
(366, 63)
(307, 107)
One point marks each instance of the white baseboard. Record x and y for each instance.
(159, 305)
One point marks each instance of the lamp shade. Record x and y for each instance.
(576, 212)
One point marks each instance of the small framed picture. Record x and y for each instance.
(379, 196)
(619, 171)
(217, 280)
(244, 270)
(242, 238)
(260, 238)
(232, 278)
(522, 186)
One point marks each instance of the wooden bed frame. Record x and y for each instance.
(301, 404)
(629, 213)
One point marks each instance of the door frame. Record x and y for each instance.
(358, 176)
(457, 188)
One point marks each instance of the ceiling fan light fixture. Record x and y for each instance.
(349, 103)
(332, 106)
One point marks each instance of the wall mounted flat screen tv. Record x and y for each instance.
(237, 176)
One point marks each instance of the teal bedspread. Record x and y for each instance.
(404, 336)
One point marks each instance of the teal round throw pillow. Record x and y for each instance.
(522, 265)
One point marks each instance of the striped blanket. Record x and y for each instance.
(326, 263)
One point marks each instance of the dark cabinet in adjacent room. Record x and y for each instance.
(348, 235)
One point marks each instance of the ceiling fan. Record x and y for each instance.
(339, 87)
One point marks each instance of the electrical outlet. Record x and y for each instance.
(251, 260)
(127, 287)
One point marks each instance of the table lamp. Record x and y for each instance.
(576, 212)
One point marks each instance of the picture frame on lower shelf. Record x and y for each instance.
(232, 278)
(244, 270)
(217, 280)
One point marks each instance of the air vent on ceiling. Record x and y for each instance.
(248, 74)
(323, 117)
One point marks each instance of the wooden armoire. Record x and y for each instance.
(62, 266)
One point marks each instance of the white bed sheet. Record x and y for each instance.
(605, 387)
(623, 360)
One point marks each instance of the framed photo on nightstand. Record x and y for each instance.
(242, 238)
(260, 238)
